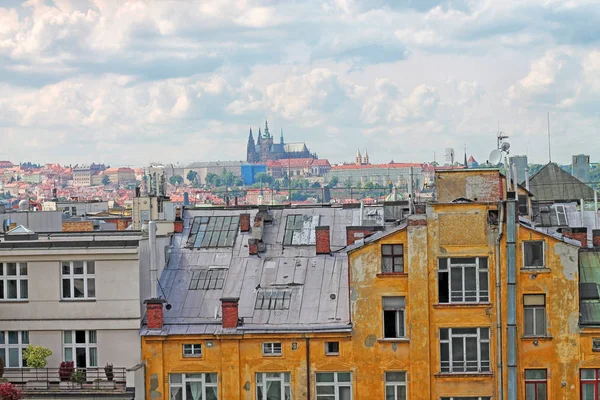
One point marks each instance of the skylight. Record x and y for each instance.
(300, 229)
(209, 232)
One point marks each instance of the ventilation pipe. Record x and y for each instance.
(582, 206)
(500, 373)
(153, 266)
(595, 209)
(511, 247)
(527, 179)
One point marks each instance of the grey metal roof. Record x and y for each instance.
(318, 283)
(553, 183)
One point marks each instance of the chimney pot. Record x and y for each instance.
(596, 237)
(154, 313)
(229, 311)
(253, 246)
(245, 222)
(323, 240)
(579, 234)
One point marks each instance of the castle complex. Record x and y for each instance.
(265, 149)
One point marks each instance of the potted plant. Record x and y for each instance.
(108, 370)
(78, 377)
(36, 358)
(65, 370)
(109, 383)
(8, 391)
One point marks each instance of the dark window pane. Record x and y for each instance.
(66, 288)
(79, 336)
(389, 324)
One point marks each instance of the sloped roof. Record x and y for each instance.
(318, 283)
(552, 183)
(20, 230)
(295, 147)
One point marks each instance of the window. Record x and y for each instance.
(533, 254)
(590, 384)
(13, 281)
(463, 280)
(535, 384)
(273, 299)
(273, 386)
(466, 398)
(395, 385)
(12, 344)
(208, 279)
(193, 387)
(78, 280)
(393, 317)
(534, 314)
(81, 347)
(332, 348)
(464, 350)
(392, 258)
(213, 232)
(192, 350)
(334, 385)
(561, 215)
(523, 205)
(300, 229)
(272, 349)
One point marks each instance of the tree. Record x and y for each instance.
(369, 185)
(176, 180)
(315, 185)
(211, 179)
(262, 177)
(105, 180)
(348, 183)
(192, 176)
(334, 181)
(36, 356)
(238, 181)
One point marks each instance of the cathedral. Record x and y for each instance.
(265, 149)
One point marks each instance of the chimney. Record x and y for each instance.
(244, 222)
(229, 311)
(322, 240)
(596, 237)
(253, 246)
(154, 313)
(579, 234)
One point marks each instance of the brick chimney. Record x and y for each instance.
(154, 313)
(253, 246)
(596, 237)
(245, 222)
(229, 311)
(579, 234)
(323, 240)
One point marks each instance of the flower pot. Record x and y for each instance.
(69, 385)
(105, 384)
(36, 385)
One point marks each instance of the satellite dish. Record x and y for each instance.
(505, 146)
(495, 156)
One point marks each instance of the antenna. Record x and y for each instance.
(549, 141)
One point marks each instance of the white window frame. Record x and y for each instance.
(272, 349)
(6, 346)
(534, 309)
(90, 346)
(329, 352)
(18, 278)
(336, 384)
(190, 377)
(481, 296)
(305, 236)
(482, 366)
(282, 377)
(543, 254)
(563, 213)
(71, 277)
(400, 318)
(192, 349)
(395, 385)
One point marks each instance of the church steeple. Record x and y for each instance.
(281, 137)
(366, 157)
(358, 158)
(259, 140)
(267, 134)
(250, 149)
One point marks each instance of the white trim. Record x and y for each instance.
(336, 384)
(22, 342)
(188, 377)
(272, 349)
(192, 350)
(543, 254)
(395, 385)
(282, 377)
(71, 277)
(90, 346)
(18, 278)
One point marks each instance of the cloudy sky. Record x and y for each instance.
(129, 82)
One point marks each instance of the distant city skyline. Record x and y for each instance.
(126, 83)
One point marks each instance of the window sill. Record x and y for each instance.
(393, 340)
(545, 337)
(77, 300)
(192, 356)
(332, 354)
(464, 374)
(462, 305)
(392, 274)
(272, 355)
(536, 270)
(4, 301)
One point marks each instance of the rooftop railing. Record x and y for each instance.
(57, 379)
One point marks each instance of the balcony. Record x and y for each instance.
(83, 384)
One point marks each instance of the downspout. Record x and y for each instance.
(308, 388)
(511, 325)
(500, 372)
(153, 266)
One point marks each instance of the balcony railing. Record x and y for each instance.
(53, 379)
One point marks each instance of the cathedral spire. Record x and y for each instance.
(250, 149)
(267, 134)
(281, 137)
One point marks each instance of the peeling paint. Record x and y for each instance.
(569, 259)
(370, 340)
(153, 392)
(247, 386)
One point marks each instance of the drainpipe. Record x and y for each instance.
(596, 209)
(582, 205)
(153, 267)
(499, 373)
(527, 178)
(308, 388)
(511, 247)
(360, 217)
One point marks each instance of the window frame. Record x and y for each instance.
(284, 378)
(536, 382)
(483, 366)
(535, 309)
(288, 239)
(392, 256)
(201, 224)
(273, 299)
(329, 352)
(595, 382)
(71, 277)
(19, 278)
(6, 347)
(481, 295)
(89, 346)
(395, 385)
(399, 317)
(336, 384)
(192, 347)
(208, 279)
(269, 349)
(186, 377)
(525, 242)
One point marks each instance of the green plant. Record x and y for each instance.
(36, 356)
(78, 376)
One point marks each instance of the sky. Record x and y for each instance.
(134, 82)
